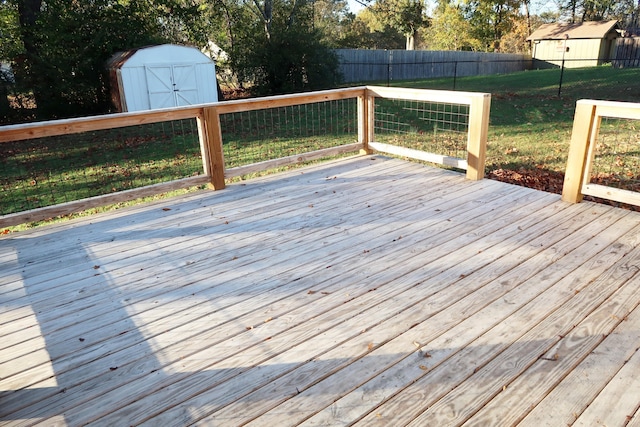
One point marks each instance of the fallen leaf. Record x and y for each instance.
(310, 292)
(424, 368)
(269, 319)
(370, 346)
(95, 267)
(166, 209)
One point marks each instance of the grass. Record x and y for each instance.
(530, 130)
(530, 125)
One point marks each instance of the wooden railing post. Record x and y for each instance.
(479, 109)
(211, 146)
(581, 138)
(365, 121)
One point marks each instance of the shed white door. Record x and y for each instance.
(171, 85)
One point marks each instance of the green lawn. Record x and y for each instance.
(529, 134)
(530, 125)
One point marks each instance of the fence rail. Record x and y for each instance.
(282, 130)
(603, 161)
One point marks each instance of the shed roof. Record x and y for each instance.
(582, 30)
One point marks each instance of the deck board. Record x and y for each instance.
(369, 290)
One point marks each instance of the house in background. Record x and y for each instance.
(161, 77)
(585, 44)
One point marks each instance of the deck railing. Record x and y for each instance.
(604, 156)
(451, 126)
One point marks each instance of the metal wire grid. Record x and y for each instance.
(47, 171)
(617, 158)
(254, 136)
(439, 128)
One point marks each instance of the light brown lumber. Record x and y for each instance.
(317, 228)
(612, 193)
(79, 315)
(399, 350)
(230, 230)
(62, 209)
(620, 398)
(427, 285)
(86, 124)
(383, 384)
(325, 365)
(582, 136)
(363, 397)
(496, 375)
(403, 240)
(606, 380)
(588, 357)
(419, 155)
(465, 360)
(291, 160)
(100, 224)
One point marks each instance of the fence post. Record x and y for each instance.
(211, 146)
(477, 136)
(365, 121)
(581, 139)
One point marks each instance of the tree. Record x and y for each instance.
(275, 48)
(65, 44)
(405, 16)
(450, 30)
(367, 31)
(491, 20)
(599, 10)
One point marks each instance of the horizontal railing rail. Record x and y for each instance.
(591, 142)
(210, 130)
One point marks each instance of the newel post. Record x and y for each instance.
(479, 109)
(211, 147)
(582, 136)
(365, 121)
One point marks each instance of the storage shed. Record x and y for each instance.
(585, 44)
(160, 77)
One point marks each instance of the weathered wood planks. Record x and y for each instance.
(369, 291)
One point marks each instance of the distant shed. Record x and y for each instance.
(160, 77)
(585, 44)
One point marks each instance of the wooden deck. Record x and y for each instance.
(367, 291)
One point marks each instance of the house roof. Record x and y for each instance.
(582, 30)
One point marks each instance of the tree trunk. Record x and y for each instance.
(410, 41)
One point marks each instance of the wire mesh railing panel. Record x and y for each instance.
(616, 161)
(47, 171)
(433, 127)
(254, 136)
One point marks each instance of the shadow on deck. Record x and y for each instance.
(368, 290)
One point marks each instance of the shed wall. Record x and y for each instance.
(582, 52)
(164, 76)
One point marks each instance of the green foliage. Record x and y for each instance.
(491, 20)
(450, 30)
(366, 31)
(405, 16)
(275, 48)
(64, 46)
